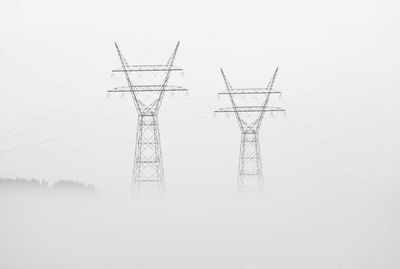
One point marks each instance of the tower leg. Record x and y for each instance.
(250, 177)
(148, 173)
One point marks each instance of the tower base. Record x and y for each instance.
(148, 173)
(250, 178)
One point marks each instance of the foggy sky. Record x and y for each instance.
(331, 167)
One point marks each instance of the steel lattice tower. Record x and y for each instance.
(148, 173)
(249, 117)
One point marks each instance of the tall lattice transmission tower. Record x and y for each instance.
(148, 172)
(249, 106)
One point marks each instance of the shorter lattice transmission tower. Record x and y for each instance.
(249, 105)
(148, 172)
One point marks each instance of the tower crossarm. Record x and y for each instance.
(147, 68)
(250, 91)
(246, 109)
(149, 88)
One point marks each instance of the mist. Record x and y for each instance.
(352, 228)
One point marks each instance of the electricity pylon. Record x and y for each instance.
(148, 172)
(254, 105)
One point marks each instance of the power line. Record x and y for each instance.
(64, 136)
(70, 155)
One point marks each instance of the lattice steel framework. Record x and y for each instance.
(249, 117)
(148, 172)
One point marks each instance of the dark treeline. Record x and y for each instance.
(72, 185)
(42, 185)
